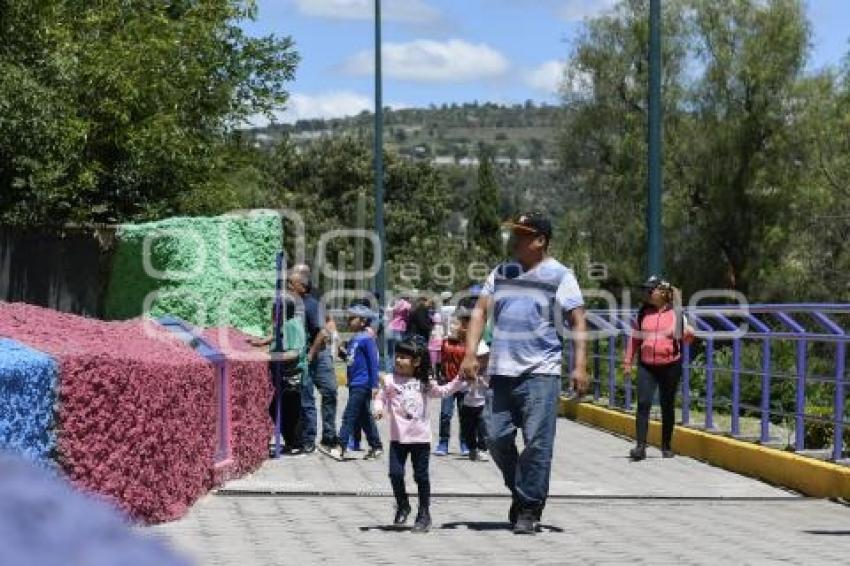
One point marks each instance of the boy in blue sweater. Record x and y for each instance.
(361, 357)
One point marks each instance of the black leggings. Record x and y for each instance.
(419, 454)
(473, 429)
(666, 378)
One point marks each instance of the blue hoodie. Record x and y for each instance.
(362, 361)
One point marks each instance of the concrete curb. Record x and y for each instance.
(806, 475)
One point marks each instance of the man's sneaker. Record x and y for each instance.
(638, 453)
(309, 448)
(402, 512)
(423, 522)
(442, 449)
(667, 453)
(335, 452)
(477, 456)
(513, 513)
(373, 454)
(353, 445)
(526, 523)
(464, 449)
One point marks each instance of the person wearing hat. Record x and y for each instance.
(530, 299)
(657, 336)
(361, 358)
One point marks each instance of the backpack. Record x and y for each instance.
(681, 320)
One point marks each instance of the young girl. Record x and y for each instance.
(404, 396)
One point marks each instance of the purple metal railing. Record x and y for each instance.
(762, 334)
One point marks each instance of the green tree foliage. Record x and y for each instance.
(322, 183)
(754, 148)
(484, 222)
(114, 110)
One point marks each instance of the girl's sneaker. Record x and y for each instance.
(402, 512)
(442, 449)
(423, 522)
(373, 454)
(464, 449)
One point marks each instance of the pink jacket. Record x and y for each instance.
(657, 339)
(401, 311)
(405, 402)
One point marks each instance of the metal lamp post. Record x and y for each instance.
(380, 278)
(655, 247)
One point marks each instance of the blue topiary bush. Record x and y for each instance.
(28, 381)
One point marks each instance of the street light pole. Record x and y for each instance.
(655, 251)
(380, 279)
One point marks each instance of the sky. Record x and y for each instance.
(445, 51)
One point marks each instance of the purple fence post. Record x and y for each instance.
(736, 387)
(838, 406)
(765, 391)
(709, 383)
(686, 383)
(799, 417)
(596, 384)
(612, 370)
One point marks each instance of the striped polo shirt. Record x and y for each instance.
(529, 316)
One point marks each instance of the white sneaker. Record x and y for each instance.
(335, 452)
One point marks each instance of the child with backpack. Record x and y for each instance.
(404, 397)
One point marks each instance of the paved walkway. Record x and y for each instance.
(604, 509)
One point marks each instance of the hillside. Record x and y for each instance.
(523, 139)
(522, 135)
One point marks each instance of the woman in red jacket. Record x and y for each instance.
(657, 336)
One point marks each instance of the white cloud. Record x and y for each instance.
(336, 104)
(326, 105)
(552, 78)
(578, 10)
(432, 61)
(408, 11)
(547, 78)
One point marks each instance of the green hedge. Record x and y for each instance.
(204, 264)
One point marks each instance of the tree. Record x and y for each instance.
(731, 77)
(484, 224)
(115, 111)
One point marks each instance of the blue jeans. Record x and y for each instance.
(320, 374)
(358, 411)
(447, 409)
(529, 403)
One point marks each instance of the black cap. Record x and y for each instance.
(463, 311)
(656, 282)
(532, 222)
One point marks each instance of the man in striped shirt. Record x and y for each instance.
(532, 300)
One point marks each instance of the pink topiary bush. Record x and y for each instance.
(250, 391)
(137, 418)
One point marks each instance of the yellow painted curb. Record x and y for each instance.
(806, 475)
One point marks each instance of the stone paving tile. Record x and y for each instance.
(586, 462)
(605, 510)
(245, 531)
